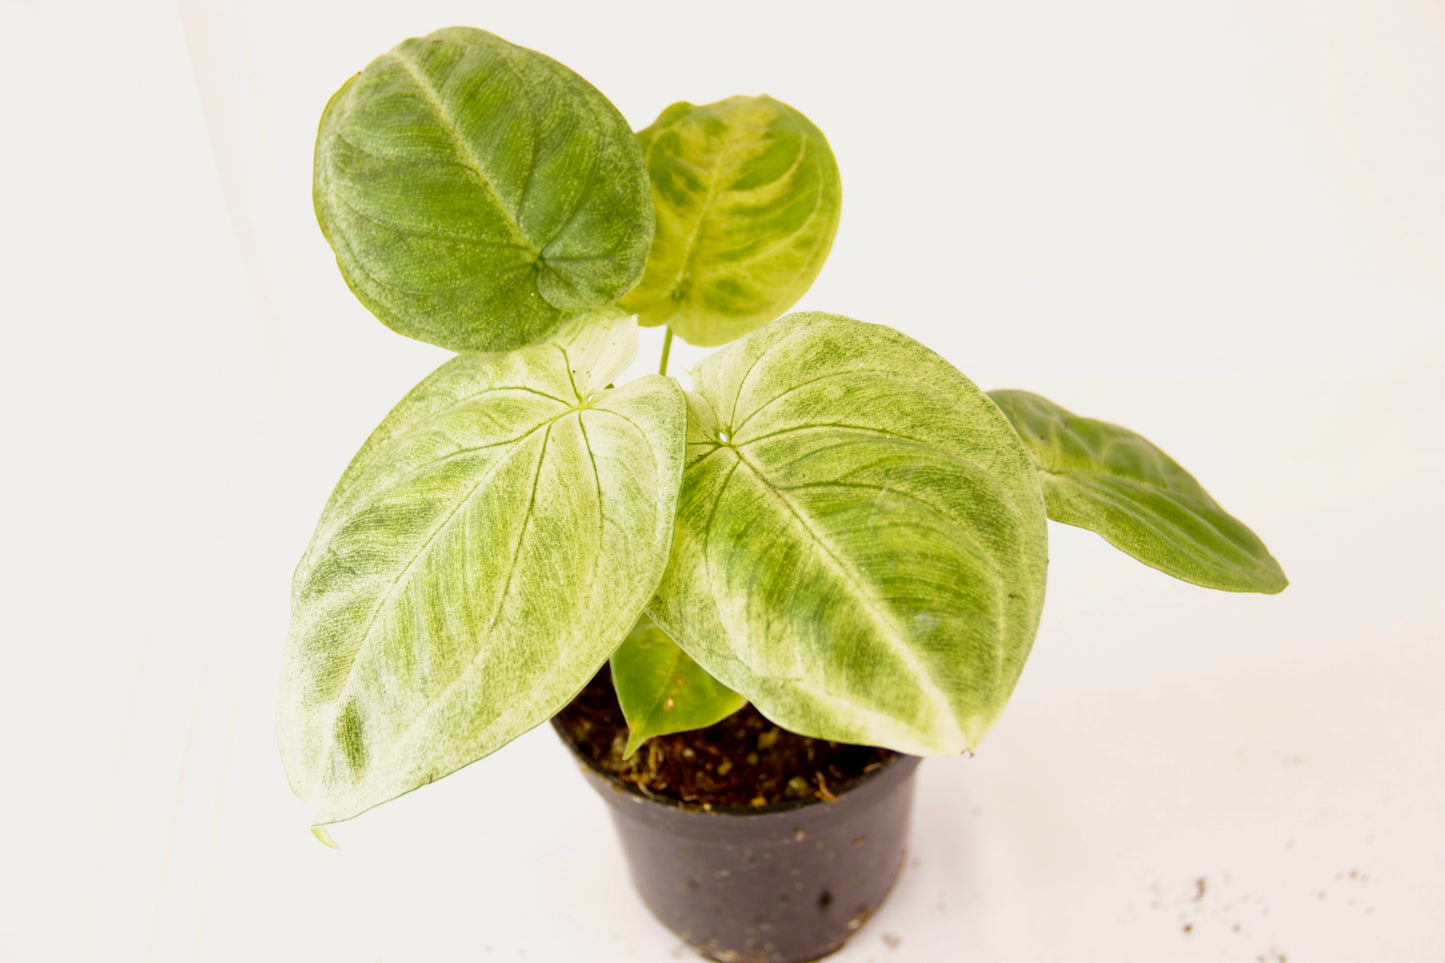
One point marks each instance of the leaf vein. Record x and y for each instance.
(875, 372)
(441, 697)
(368, 634)
(450, 124)
(883, 619)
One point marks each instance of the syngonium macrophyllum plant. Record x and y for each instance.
(833, 524)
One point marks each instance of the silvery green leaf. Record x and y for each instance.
(490, 545)
(860, 546)
(475, 192)
(662, 690)
(748, 196)
(1117, 483)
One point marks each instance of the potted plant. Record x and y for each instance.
(834, 543)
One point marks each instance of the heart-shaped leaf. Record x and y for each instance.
(748, 196)
(475, 192)
(662, 690)
(1117, 483)
(490, 545)
(860, 546)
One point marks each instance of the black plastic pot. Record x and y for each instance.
(776, 884)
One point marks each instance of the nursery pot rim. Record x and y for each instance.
(784, 807)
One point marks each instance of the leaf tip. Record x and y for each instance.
(634, 742)
(324, 837)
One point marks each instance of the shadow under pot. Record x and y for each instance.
(782, 883)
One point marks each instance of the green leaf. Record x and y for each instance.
(475, 192)
(860, 546)
(1119, 484)
(490, 545)
(662, 690)
(748, 197)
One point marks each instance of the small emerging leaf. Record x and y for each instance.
(1117, 483)
(748, 197)
(662, 690)
(490, 545)
(860, 546)
(475, 191)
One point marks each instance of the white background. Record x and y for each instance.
(1221, 224)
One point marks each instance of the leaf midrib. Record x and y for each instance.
(1143, 515)
(892, 634)
(369, 634)
(661, 696)
(690, 248)
(450, 124)
(441, 698)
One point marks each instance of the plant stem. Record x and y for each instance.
(666, 349)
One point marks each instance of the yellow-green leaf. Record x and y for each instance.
(748, 197)
(861, 545)
(662, 690)
(490, 545)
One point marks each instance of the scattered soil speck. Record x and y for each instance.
(891, 941)
(1199, 888)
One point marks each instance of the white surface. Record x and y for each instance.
(1220, 224)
